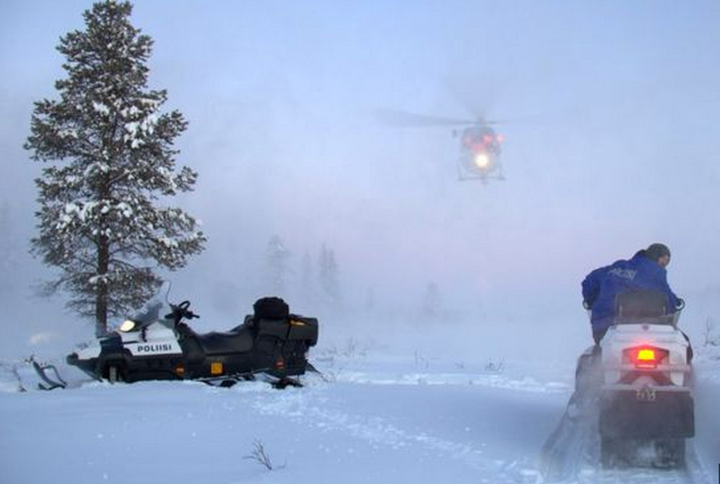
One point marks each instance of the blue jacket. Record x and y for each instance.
(602, 285)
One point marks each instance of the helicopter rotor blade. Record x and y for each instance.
(522, 120)
(476, 101)
(406, 119)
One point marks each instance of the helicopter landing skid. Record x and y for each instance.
(483, 179)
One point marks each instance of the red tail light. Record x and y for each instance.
(646, 357)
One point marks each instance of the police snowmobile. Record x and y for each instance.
(633, 398)
(646, 399)
(639, 379)
(271, 343)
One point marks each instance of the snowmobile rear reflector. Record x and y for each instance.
(216, 368)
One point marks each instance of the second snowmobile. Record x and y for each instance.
(151, 346)
(640, 377)
(646, 402)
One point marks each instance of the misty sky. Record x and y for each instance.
(612, 137)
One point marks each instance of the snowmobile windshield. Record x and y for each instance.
(149, 313)
(153, 310)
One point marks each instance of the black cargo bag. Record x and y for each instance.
(271, 308)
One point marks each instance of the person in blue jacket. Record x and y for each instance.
(646, 270)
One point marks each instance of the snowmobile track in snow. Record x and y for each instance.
(573, 445)
(571, 455)
(386, 433)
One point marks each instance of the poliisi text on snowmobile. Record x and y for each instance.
(646, 400)
(271, 342)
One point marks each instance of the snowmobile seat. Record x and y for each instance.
(222, 343)
(641, 304)
(247, 323)
(237, 340)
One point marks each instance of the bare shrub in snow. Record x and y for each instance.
(420, 360)
(335, 359)
(495, 367)
(260, 455)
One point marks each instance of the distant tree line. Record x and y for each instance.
(318, 283)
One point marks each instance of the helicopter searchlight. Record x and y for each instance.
(482, 161)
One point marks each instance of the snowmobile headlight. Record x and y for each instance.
(127, 326)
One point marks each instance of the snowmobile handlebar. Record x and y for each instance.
(679, 306)
(180, 311)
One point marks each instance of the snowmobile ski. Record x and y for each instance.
(50, 382)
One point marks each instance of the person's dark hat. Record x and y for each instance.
(655, 251)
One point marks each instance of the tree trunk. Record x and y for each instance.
(101, 294)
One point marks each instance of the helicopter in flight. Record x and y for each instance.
(480, 144)
(480, 150)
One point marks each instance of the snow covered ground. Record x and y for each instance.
(418, 413)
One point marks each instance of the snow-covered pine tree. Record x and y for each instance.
(277, 257)
(432, 301)
(307, 282)
(328, 277)
(102, 221)
(370, 300)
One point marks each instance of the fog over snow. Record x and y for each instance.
(609, 112)
(611, 144)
